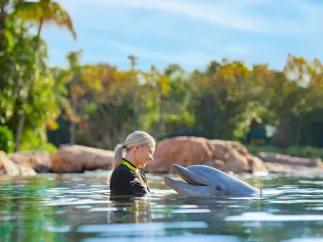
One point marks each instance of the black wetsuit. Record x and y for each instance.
(128, 180)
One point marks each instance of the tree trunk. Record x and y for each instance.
(162, 114)
(40, 26)
(3, 19)
(20, 128)
(299, 131)
(73, 124)
(72, 132)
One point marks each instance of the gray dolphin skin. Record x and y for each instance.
(205, 181)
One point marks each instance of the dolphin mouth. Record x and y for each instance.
(191, 186)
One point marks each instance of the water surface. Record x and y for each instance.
(76, 207)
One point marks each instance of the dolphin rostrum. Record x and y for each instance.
(205, 181)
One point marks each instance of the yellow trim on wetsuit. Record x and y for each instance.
(130, 166)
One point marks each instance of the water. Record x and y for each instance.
(76, 207)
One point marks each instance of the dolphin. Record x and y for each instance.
(206, 181)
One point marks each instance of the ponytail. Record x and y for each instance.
(118, 154)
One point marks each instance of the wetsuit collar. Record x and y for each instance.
(129, 165)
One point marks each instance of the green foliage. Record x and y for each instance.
(229, 95)
(30, 100)
(40, 12)
(225, 99)
(6, 139)
(219, 102)
(299, 151)
(35, 140)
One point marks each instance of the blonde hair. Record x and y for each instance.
(135, 138)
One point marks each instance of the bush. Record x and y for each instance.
(299, 151)
(6, 139)
(35, 140)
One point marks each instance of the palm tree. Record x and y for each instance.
(40, 12)
(45, 11)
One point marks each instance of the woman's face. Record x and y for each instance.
(144, 154)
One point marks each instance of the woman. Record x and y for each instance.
(127, 179)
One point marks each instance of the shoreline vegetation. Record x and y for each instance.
(228, 156)
(297, 151)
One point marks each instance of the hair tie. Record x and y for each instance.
(124, 146)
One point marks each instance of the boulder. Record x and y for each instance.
(40, 161)
(236, 162)
(26, 170)
(184, 151)
(257, 166)
(285, 168)
(10, 168)
(234, 155)
(290, 160)
(279, 163)
(77, 158)
(218, 148)
(218, 164)
(221, 154)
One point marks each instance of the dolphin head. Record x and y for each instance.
(205, 181)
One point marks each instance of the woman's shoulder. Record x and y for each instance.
(121, 176)
(121, 170)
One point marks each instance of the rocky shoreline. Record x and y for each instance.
(228, 156)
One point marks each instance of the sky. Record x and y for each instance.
(189, 32)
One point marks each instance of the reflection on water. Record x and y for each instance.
(76, 207)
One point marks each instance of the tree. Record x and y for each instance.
(44, 11)
(40, 12)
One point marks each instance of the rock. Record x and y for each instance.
(278, 163)
(290, 160)
(20, 158)
(67, 161)
(257, 165)
(184, 151)
(9, 166)
(239, 147)
(219, 149)
(236, 162)
(76, 158)
(40, 161)
(283, 168)
(25, 170)
(218, 164)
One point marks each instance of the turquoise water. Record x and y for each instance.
(76, 207)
